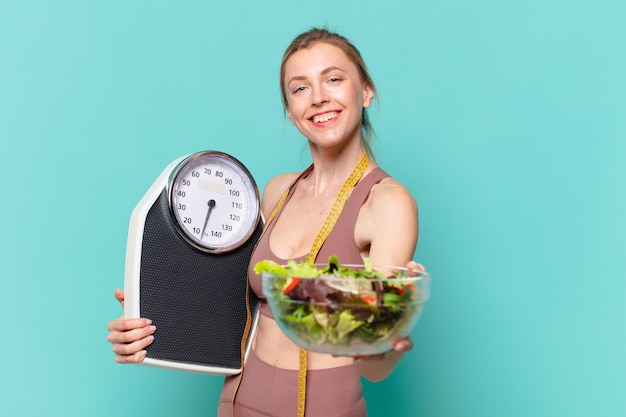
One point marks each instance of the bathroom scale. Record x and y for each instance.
(190, 240)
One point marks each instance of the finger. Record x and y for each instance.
(403, 345)
(134, 358)
(119, 295)
(413, 267)
(123, 335)
(131, 349)
(123, 324)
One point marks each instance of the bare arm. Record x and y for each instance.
(388, 225)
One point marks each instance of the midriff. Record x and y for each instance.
(273, 347)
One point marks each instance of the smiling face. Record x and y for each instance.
(325, 94)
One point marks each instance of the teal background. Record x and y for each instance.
(506, 120)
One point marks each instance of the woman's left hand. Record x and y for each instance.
(402, 345)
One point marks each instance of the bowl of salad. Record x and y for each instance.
(344, 310)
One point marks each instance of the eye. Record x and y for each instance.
(298, 89)
(334, 79)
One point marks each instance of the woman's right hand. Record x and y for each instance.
(130, 337)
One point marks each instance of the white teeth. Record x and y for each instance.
(324, 117)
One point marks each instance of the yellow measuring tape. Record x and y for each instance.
(329, 223)
(331, 218)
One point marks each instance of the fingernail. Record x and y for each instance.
(152, 329)
(148, 322)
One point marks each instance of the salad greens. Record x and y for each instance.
(307, 269)
(343, 305)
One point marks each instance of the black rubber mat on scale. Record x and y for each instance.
(196, 300)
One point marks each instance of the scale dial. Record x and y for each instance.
(214, 201)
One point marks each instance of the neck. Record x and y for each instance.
(331, 167)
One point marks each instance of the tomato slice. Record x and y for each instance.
(398, 289)
(291, 284)
(369, 299)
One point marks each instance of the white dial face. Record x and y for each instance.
(215, 201)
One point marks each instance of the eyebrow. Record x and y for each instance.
(323, 72)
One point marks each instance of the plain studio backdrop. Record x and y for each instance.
(506, 120)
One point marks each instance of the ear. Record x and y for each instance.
(289, 116)
(368, 96)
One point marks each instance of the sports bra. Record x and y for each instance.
(340, 242)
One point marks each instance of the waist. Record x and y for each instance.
(274, 348)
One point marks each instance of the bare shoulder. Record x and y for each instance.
(391, 196)
(274, 189)
(387, 224)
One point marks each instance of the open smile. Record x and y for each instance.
(324, 117)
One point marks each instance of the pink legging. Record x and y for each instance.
(269, 391)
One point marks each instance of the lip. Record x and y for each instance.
(326, 122)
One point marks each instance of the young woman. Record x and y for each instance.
(326, 90)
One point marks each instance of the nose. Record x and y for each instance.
(319, 96)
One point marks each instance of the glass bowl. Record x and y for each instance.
(347, 316)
